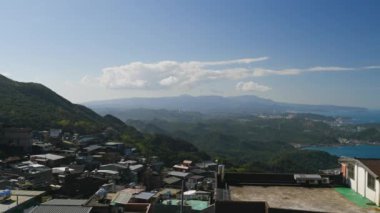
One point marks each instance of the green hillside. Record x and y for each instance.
(36, 106)
(252, 143)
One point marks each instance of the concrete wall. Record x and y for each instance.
(378, 192)
(161, 208)
(375, 194)
(241, 206)
(278, 210)
(359, 184)
(256, 178)
(18, 137)
(361, 181)
(352, 182)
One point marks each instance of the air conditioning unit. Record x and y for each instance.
(325, 180)
(313, 182)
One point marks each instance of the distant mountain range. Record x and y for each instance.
(141, 108)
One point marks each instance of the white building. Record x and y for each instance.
(362, 175)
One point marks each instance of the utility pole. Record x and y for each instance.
(182, 188)
(182, 176)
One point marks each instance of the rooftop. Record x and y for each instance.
(298, 198)
(65, 202)
(122, 197)
(196, 177)
(18, 197)
(144, 195)
(48, 156)
(114, 165)
(372, 164)
(92, 148)
(27, 193)
(179, 174)
(206, 164)
(61, 209)
(113, 143)
(195, 204)
(167, 191)
(181, 167)
(171, 180)
(136, 167)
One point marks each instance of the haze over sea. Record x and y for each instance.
(359, 151)
(360, 117)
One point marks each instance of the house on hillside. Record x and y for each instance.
(362, 175)
(16, 137)
(50, 160)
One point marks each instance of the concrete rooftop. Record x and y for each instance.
(300, 198)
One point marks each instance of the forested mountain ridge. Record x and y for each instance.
(36, 106)
(256, 143)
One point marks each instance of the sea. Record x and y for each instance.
(356, 117)
(358, 151)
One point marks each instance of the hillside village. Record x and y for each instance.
(88, 173)
(101, 175)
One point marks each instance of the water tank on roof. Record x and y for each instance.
(221, 172)
(101, 193)
(5, 194)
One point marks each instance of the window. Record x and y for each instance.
(370, 182)
(351, 171)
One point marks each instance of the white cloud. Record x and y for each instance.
(328, 69)
(251, 86)
(372, 67)
(138, 75)
(259, 72)
(177, 75)
(169, 81)
(237, 61)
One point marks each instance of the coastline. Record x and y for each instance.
(301, 146)
(350, 150)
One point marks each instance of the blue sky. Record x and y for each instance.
(301, 51)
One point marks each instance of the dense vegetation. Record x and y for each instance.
(242, 131)
(36, 106)
(250, 143)
(254, 144)
(168, 149)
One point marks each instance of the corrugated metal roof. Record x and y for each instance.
(65, 202)
(171, 180)
(26, 193)
(307, 177)
(167, 191)
(92, 148)
(61, 209)
(136, 167)
(122, 197)
(144, 195)
(48, 156)
(197, 177)
(179, 174)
